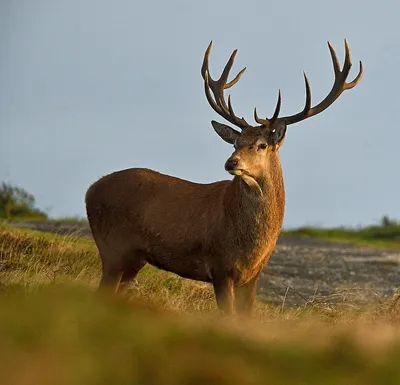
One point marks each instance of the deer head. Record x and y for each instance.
(254, 144)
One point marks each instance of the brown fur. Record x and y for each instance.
(222, 232)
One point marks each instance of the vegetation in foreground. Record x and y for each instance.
(166, 330)
(68, 336)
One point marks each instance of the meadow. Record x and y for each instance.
(56, 329)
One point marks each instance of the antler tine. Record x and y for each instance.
(335, 60)
(257, 119)
(338, 87)
(235, 80)
(277, 108)
(217, 88)
(204, 67)
(307, 105)
(347, 60)
(268, 122)
(349, 86)
(228, 66)
(352, 84)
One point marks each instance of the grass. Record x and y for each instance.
(55, 329)
(30, 258)
(62, 335)
(385, 236)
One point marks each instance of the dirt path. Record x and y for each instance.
(304, 269)
(329, 272)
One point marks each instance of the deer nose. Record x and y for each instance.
(231, 163)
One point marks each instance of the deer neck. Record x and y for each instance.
(255, 207)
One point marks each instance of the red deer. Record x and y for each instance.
(223, 232)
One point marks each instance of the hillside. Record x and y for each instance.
(166, 330)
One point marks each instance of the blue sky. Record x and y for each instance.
(90, 87)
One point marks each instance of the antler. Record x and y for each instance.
(217, 87)
(338, 87)
(268, 122)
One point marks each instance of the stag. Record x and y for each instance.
(223, 232)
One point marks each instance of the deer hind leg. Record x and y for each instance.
(245, 296)
(112, 274)
(130, 270)
(223, 289)
(119, 270)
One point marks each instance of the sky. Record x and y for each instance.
(91, 87)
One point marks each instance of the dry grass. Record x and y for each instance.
(31, 259)
(166, 330)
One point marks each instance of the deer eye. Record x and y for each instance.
(262, 146)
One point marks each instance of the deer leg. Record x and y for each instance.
(111, 277)
(223, 289)
(130, 272)
(245, 296)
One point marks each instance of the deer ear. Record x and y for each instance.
(277, 134)
(225, 132)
